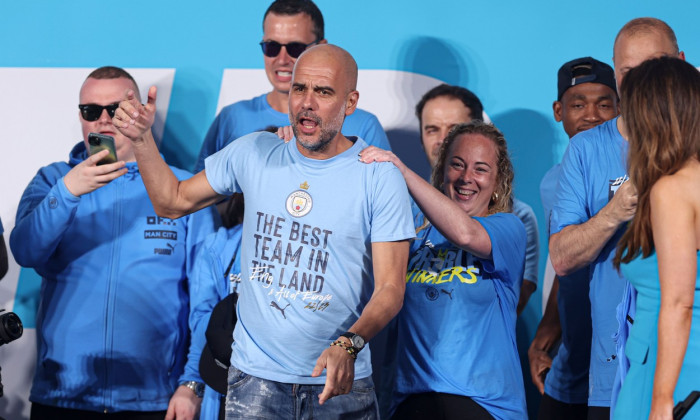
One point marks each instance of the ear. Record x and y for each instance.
(557, 108)
(351, 102)
(681, 55)
(323, 41)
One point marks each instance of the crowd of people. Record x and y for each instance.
(253, 288)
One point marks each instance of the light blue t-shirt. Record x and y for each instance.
(306, 261)
(532, 251)
(457, 325)
(593, 168)
(244, 117)
(567, 379)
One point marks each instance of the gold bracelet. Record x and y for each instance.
(350, 350)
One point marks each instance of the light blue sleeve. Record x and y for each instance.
(392, 219)
(43, 215)
(201, 225)
(224, 167)
(207, 286)
(570, 206)
(204, 293)
(508, 244)
(532, 251)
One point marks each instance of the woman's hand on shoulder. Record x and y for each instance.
(375, 154)
(285, 133)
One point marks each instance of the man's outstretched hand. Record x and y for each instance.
(133, 119)
(340, 372)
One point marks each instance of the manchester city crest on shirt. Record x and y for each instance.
(299, 202)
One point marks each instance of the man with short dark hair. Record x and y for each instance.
(324, 246)
(112, 325)
(438, 111)
(593, 204)
(289, 27)
(586, 97)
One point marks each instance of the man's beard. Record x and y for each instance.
(328, 131)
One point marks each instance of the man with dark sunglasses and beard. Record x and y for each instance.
(112, 326)
(289, 28)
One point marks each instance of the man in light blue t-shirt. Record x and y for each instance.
(289, 27)
(593, 204)
(324, 246)
(587, 97)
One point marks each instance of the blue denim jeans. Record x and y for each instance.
(250, 397)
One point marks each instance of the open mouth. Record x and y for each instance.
(284, 75)
(464, 194)
(307, 125)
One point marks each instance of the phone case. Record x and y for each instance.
(99, 142)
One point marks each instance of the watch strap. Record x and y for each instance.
(196, 387)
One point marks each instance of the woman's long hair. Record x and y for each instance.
(660, 101)
(502, 198)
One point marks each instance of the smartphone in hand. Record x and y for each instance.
(99, 142)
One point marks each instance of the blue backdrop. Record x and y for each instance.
(507, 52)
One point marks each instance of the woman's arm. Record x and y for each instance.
(458, 227)
(673, 225)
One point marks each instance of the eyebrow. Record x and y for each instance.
(317, 88)
(475, 163)
(599, 98)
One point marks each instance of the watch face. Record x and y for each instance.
(199, 388)
(357, 342)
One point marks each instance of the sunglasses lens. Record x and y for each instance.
(92, 112)
(294, 49)
(111, 109)
(271, 48)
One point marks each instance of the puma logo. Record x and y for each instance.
(447, 293)
(276, 306)
(170, 246)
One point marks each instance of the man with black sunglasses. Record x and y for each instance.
(112, 326)
(289, 27)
